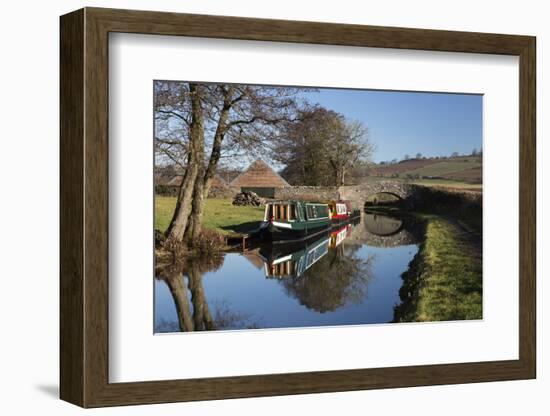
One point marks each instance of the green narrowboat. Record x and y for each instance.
(295, 220)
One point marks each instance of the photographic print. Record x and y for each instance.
(319, 185)
(292, 207)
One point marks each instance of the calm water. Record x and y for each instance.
(351, 275)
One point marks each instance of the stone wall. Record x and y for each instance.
(222, 192)
(166, 190)
(307, 193)
(215, 192)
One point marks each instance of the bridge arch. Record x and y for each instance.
(358, 194)
(382, 198)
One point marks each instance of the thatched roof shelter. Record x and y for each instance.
(259, 175)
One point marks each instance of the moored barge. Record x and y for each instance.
(338, 211)
(295, 220)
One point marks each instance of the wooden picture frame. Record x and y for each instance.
(84, 207)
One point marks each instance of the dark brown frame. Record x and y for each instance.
(84, 208)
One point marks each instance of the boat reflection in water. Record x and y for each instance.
(336, 237)
(293, 259)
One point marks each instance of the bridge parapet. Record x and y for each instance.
(358, 194)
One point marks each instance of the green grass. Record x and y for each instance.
(448, 184)
(219, 215)
(442, 168)
(444, 280)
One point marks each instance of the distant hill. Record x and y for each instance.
(462, 168)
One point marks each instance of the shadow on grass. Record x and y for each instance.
(243, 228)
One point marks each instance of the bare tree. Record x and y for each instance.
(301, 148)
(221, 120)
(347, 145)
(322, 147)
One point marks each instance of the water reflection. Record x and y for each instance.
(323, 274)
(345, 276)
(382, 225)
(184, 281)
(292, 260)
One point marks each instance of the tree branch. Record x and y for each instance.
(173, 113)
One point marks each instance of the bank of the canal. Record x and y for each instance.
(444, 279)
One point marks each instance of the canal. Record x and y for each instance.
(348, 276)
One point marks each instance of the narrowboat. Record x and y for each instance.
(295, 220)
(352, 212)
(292, 260)
(338, 211)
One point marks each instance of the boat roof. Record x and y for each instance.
(292, 201)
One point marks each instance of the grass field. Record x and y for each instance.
(447, 183)
(473, 175)
(444, 281)
(219, 215)
(467, 169)
(445, 168)
(402, 167)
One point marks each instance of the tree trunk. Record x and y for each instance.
(194, 224)
(202, 318)
(205, 177)
(197, 296)
(177, 226)
(336, 172)
(201, 190)
(174, 281)
(342, 176)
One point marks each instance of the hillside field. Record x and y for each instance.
(464, 169)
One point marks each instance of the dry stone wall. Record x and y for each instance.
(307, 193)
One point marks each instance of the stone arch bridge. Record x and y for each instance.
(358, 194)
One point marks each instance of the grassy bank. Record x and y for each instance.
(219, 215)
(447, 183)
(463, 206)
(444, 280)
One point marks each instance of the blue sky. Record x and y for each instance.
(399, 123)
